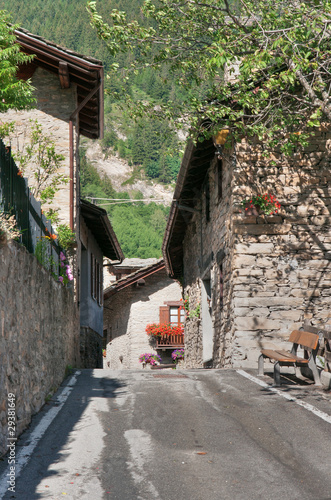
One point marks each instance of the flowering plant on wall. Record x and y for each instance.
(159, 329)
(65, 273)
(186, 304)
(266, 203)
(150, 358)
(177, 355)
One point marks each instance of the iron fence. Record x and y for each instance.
(16, 199)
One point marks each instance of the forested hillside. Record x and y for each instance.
(147, 145)
(67, 23)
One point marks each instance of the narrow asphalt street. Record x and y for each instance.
(176, 435)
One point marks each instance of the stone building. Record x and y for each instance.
(144, 296)
(256, 278)
(98, 240)
(69, 104)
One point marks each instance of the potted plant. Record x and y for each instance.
(160, 329)
(177, 356)
(261, 204)
(149, 358)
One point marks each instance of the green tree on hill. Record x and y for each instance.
(14, 93)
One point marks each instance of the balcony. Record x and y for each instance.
(170, 342)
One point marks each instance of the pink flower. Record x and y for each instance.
(69, 273)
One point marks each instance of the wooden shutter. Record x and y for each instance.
(164, 314)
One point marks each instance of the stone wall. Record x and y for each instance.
(282, 264)
(208, 248)
(276, 270)
(128, 312)
(53, 109)
(39, 335)
(193, 343)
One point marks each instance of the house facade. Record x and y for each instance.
(98, 240)
(142, 297)
(69, 104)
(255, 278)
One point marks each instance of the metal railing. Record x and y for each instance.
(16, 199)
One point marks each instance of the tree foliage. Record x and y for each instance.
(14, 93)
(68, 24)
(38, 156)
(283, 50)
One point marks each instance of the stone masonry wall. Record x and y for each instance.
(53, 109)
(276, 270)
(39, 335)
(282, 264)
(126, 315)
(193, 343)
(208, 248)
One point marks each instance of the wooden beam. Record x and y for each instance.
(64, 75)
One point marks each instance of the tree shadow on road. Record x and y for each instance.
(56, 443)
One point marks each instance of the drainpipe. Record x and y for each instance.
(71, 148)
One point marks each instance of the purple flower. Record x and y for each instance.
(62, 256)
(69, 274)
(61, 279)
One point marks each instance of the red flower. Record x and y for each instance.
(159, 329)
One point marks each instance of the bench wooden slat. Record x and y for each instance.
(313, 329)
(283, 356)
(304, 338)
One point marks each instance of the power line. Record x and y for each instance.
(116, 201)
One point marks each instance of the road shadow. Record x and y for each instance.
(51, 449)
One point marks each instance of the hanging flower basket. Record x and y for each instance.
(261, 204)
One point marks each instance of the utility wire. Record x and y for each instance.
(116, 201)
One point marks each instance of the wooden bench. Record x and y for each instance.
(325, 344)
(308, 341)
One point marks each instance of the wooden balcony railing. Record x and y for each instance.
(170, 342)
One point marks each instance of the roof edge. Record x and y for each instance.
(132, 278)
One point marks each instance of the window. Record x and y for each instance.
(219, 179)
(96, 280)
(93, 290)
(207, 198)
(172, 313)
(177, 315)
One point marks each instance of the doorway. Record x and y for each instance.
(207, 323)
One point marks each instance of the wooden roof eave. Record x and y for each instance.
(195, 163)
(98, 223)
(133, 278)
(86, 73)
